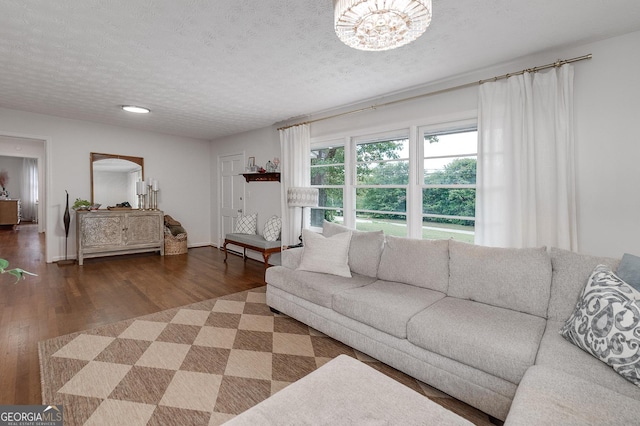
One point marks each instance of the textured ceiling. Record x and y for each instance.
(213, 68)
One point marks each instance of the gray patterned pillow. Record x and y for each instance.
(272, 229)
(606, 323)
(246, 224)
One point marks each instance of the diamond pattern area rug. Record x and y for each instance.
(200, 364)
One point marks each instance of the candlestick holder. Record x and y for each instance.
(140, 202)
(155, 199)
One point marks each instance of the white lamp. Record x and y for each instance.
(302, 197)
(380, 24)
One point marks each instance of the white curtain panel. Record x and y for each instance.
(295, 145)
(526, 180)
(29, 190)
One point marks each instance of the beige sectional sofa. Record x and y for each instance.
(479, 323)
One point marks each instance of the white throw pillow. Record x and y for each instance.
(326, 255)
(246, 224)
(272, 229)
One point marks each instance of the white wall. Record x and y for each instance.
(607, 103)
(13, 167)
(260, 197)
(180, 164)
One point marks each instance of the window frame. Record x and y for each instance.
(416, 156)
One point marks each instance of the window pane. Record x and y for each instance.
(385, 150)
(386, 173)
(318, 215)
(461, 170)
(445, 230)
(451, 202)
(327, 175)
(391, 224)
(330, 197)
(451, 144)
(331, 155)
(382, 199)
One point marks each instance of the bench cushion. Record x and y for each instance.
(252, 240)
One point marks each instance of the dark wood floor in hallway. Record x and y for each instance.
(66, 299)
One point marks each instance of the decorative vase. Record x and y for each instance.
(66, 219)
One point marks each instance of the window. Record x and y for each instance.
(449, 184)
(418, 182)
(327, 174)
(382, 178)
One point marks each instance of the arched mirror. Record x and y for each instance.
(114, 177)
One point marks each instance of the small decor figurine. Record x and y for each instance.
(271, 168)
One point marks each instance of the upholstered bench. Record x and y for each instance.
(252, 242)
(346, 391)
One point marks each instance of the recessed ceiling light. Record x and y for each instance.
(136, 109)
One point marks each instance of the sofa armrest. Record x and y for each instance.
(291, 258)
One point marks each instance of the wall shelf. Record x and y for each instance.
(262, 177)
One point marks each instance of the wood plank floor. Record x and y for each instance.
(66, 299)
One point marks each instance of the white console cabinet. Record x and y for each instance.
(114, 232)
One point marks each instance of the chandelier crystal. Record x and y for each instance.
(380, 24)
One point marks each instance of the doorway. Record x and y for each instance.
(25, 157)
(230, 169)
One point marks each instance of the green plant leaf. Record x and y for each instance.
(3, 265)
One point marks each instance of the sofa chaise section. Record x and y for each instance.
(550, 397)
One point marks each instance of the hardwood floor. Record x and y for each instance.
(66, 299)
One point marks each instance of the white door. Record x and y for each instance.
(232, 192)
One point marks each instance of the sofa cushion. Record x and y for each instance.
(606, 323)
(326, 255)
(629, 270)
(315, 287)
(423, 263)
(549, 397)
(386, 306)
(557, 353)
(518, 279)
(495, 340)
(365, 248)
(570, 273)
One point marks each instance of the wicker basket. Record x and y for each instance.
(175, 244)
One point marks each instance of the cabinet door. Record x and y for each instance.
(143, 228)
(101, 231)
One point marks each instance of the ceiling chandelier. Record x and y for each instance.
(380, 24)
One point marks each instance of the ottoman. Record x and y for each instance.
(346, 391)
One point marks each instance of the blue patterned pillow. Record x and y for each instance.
(629, 270)
(606, 323)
